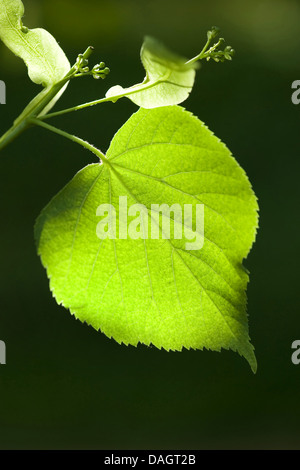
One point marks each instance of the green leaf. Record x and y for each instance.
(46, 61)
(169, 80)
(155, 291)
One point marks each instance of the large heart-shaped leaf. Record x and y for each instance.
(155, 291)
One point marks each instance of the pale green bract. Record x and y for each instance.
(169, 79)
(154, 291)
(46, 61)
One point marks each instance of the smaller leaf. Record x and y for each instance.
(169, 79)
(46, 62)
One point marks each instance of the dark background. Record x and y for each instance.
(68, 386)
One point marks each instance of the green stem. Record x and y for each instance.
(12, 134)
(199, 56)
(128, 91)
(204, 53)
(80, 106)
(37, 105)
(71, 137)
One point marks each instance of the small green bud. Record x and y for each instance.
(213, 33)
(228, 52)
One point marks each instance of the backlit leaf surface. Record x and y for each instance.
(155, 291)
(45, 60)
(169, 80)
